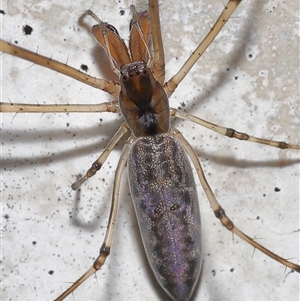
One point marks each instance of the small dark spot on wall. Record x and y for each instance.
(27, 30)
(51, 272)
(6, 216)
(232, 270)
(84, 68)
(122, 12)
(213, 272)
(250, 56)
(277, 189)
(2, 12)
(34, 243)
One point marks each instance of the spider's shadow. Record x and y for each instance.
(233, 61)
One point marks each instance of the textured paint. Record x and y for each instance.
(43, 154)
(165, 199)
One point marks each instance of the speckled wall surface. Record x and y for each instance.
(248, 80)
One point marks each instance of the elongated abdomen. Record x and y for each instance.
(165, 200)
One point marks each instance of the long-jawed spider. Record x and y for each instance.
(248, 181)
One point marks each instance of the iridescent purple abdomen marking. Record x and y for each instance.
(165, 200)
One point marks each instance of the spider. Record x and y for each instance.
(48, 211)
